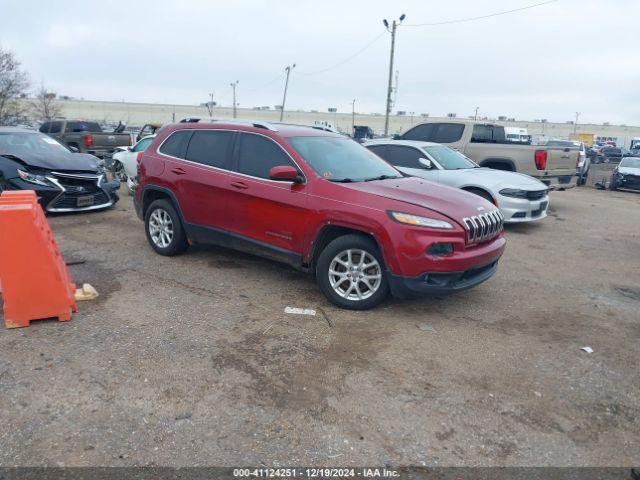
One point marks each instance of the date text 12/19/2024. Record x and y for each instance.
(285, 473)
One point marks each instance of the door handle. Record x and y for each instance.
(178, 171)
(239, 185)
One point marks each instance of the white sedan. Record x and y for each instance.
(125, 162)
(521, 198)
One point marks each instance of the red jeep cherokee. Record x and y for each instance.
(318, 201)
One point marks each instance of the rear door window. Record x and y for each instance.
(210, 147)
(448, 133)
(402, 156)
(422, 132)
(380, 150)
(75, 127)
(56, 127)
(44, 128)
(488, 134)
(176, 144)
(258, 155)
(482, 134)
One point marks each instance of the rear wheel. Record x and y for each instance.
(164, 229)
(351, 273)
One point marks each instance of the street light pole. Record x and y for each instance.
(288, 68)
(394, 25)
(575, 124)
(475, 117)
(353, 115)
(234, 85)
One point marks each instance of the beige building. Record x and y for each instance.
(137, 114)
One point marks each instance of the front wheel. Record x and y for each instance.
(351, 273)
(164, 229)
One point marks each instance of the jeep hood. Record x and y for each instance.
(451, 202)
(63, 161)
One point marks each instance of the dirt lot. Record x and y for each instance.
(192, 360)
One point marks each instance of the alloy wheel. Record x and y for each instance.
(161, 228)
(355, 274)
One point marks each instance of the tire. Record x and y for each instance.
(372, 285)
(168, 238)
(613, 185)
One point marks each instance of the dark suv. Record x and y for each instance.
(318, 201)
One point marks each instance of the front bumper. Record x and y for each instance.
(627, 182)
(70, 192)
(519, 210)
(440, 283)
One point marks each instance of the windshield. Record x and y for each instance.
(632, 162)
(449, 159)
(341, 159)
(25, 143)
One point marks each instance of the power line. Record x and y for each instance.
(471, 19)
(351, 57)
(270, 82)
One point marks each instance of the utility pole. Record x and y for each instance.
(210, 104)
(234, 85)
(288, 68)
(475, 117)
(353, 115)
(575, 124)
(394, 25)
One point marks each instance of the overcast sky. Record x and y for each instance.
(546, 62)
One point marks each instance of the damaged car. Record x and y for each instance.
(626, 175)
(63, 180)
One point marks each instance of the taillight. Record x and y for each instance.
(540, 157)
(130, 141)
(139, 157)
(578, 160)
(88, 141)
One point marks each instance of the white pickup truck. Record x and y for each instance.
(486, 144)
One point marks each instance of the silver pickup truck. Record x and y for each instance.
(486, 144)
(86, 137)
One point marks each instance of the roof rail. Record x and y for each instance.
(253, 123)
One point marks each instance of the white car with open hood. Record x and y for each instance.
(521, 198)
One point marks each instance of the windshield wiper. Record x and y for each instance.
(381, 177)
(340, 180)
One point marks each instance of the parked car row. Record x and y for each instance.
(403, 216)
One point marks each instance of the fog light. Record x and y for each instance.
(440, 249)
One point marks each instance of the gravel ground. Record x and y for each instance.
(192, 360)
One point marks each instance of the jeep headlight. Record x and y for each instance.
(419, 221)
(33, 178)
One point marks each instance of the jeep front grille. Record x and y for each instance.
(483, 227)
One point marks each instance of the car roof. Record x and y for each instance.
(282, 129)
(406, 143)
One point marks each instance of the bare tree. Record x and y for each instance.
(45, 107)
(13, 85)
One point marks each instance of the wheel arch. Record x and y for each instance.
(330, 231)
(499, 164)
(476, 188)
(155, 192)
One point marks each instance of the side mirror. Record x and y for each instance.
(74, 149)
(425, 162)
(285, 173)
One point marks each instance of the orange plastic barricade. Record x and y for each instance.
(35, 280)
